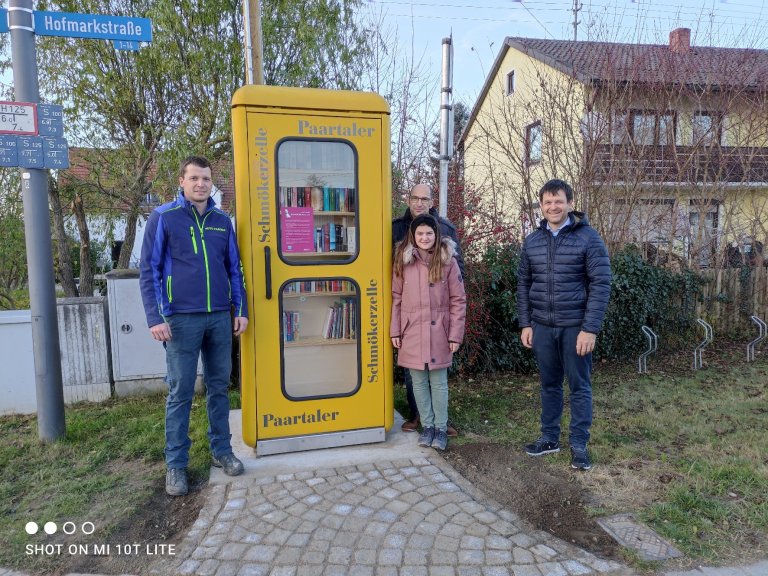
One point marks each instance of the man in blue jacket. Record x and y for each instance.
(191, 279)
(564, 282)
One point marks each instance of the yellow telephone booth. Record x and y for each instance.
(312, 184)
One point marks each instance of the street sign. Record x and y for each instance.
(31, 152)
(18, 118)
(126, 45)
(92, 26)
(50, 120)
(9, 151)
(56, 153)
(3, 20)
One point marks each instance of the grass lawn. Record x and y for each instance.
(104, 470)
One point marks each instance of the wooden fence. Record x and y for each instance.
(731, 296)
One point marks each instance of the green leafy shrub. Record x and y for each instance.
(641, 294)
(491, 339)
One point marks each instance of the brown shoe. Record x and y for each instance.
(410, 425)
(451, 431)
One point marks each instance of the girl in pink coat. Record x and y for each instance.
(428, 314)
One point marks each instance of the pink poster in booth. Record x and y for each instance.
(297, 229)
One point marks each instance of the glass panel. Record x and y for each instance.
(318, 201)
(666, 129)
(534, 143)
(702, 128)
(642, 128)
(319, 337)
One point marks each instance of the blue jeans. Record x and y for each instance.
(209, 334)
(430, 388)
(555, 351)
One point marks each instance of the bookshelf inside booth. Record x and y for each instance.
(319, 337)
(318, 202)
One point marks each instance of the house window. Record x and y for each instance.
(510, 86)
(533, 141)
(703, 219)
(707, 128)
(650, 128)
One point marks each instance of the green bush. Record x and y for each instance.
(641, 294)
(491, 340)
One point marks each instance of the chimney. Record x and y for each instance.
(680, 40)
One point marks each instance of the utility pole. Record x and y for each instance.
(254, 67)
(446, 124)
(37, 230)
(577, 6)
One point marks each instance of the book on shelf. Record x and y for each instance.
(331, 237)
(341, 320)
(291, 325)
(319, 286)
(326, 199)
(317, 198)
(351, 234)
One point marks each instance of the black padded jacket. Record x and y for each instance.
(564, 280)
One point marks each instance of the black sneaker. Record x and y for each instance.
(580, 459)
(176, 482)
(441, 440)
(426, 437)
(231, 465)
(541, 447)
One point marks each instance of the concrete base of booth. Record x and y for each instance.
(318, 441)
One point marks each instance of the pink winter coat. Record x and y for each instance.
(427, 316)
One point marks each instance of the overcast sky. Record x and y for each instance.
(478, 27)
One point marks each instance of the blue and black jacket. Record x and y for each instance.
(190, 263)
(564, 280)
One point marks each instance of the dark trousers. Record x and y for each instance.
(412, 408)
(555, 351)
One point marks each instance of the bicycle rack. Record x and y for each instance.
(762, 333)
(653, 344)
(698, 361)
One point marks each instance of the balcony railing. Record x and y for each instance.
(684, 164)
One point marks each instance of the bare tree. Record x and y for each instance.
(410, 84)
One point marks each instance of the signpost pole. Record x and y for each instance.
(37, 228)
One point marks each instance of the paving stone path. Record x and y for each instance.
(404, 517)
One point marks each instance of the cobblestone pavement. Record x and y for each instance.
(410, 516)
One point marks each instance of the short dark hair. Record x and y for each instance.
(199, 161)
(554, 186)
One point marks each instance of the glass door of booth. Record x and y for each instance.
(317, 198)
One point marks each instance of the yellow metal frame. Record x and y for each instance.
(262, 116)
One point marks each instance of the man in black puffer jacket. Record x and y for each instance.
(564, 283)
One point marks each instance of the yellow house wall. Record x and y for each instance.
(495, 144)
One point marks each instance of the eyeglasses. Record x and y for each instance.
(420, 199)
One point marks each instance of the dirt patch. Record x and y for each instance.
(548, 498)
(162, 519)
